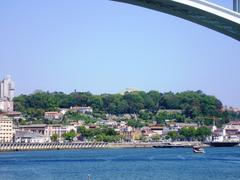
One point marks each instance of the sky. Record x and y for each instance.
(105, 47)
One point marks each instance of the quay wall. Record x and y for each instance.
(90, 145)
(131, 145)
(49, 146)
(151, 144)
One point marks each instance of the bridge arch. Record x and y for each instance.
(201, 12)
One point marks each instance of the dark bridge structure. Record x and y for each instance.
(202, 12)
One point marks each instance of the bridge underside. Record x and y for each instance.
(222, 24)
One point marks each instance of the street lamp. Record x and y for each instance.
(236, 5)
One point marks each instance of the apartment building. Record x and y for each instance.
(6, 129)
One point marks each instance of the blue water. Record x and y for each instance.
(124, 164)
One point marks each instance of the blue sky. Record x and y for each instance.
(104, 46)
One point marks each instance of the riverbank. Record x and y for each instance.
(50, 146)
(153, 144)
(91, 145)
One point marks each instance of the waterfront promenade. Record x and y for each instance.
(89, 145)
(49, 146)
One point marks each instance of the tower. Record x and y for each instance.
(7, 89)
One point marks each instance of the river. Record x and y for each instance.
(122, 164)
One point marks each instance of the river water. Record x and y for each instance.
(122, 164)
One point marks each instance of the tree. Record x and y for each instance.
(173, 135)
(69, 135)
(194, 104)
(54, 137)
(188, 133)
(155, 96)
(202, 133)
(156, 138)
(135, 123)
(145, 115)
(135, 102)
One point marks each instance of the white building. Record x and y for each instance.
(30, 137)
(47, 130)
(7, 88)
(53, 115)
(83, 110)
(229, 133)
(6, 106)
(59, 130)
(6, 129)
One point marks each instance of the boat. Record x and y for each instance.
(223, 144)
(198, 149)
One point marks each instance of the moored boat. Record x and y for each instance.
(223, 144)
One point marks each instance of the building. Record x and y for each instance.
(126, 132)
(14, 115)
(229, 133)
(77, 124)
(6, 105)
(53, 115)
(29, 137)
(64, 111)
(7, 88)
(34, 128)
(83, 110)
(129, 90)
(157, 129)
(47, 130)
(6, 129)
(175, 111)
(59, 130)
(182, 125)
(231, 109)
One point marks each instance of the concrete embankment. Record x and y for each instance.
(92, 145)
(50, 146)
(131, 145)
(154, 144)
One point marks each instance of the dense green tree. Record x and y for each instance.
(145, 115)
(173, 135)
(69, 135)
(190, 133)
(135, 123)
(135, 102)
(155, 96)
(99, 134)
(194, 104)
(202, 133)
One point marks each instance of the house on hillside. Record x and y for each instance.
(53, 115)
(82, 110)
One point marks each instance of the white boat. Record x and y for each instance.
(198, 149)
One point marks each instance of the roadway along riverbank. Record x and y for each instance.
(92, 145)
(154, 144)
(50, 146)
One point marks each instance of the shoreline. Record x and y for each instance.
(92, 145)
(10, 147)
